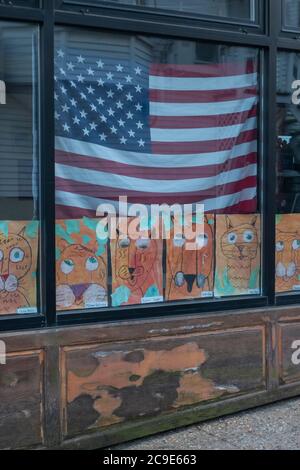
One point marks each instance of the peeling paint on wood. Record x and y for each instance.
(21, 384)
(128, 381)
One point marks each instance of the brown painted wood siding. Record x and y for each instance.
(92, 386)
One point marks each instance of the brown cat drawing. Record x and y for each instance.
(137, 265)
(189, 272)
(239, 245)
(81, 277)
(15, 264)
(287, 260)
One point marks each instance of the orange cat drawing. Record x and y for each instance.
(81, 277)
(137, 265)
(15, 264)
(190, 272)
(240, 245)
(287, 260)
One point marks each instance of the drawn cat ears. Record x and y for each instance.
(205, 219)
(230, 225)
(22, 232)
(64, 244)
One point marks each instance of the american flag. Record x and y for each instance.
(173, 134)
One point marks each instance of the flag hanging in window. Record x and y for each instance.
(163, 133)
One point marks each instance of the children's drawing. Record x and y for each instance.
(237, 255)
(190, 272)
(19, 241)
(136, 269)
(81, 265)
(287, 252)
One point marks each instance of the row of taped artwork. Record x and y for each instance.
(93, 273)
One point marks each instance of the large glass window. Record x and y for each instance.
(288, 173)
(239, 9)
(291, 14)
(19, 161)
(156, 121)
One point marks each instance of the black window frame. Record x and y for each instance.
(267, 37)
(90, 7)
(22, 3)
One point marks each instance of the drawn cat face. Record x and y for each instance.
(135, 260)
(191, 268)
(240, 242)
(287, 255)
(15, 261)
(79, 268)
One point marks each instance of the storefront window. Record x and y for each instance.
(19, 168)
(288, 171)
(155, 121)
(291, 14)
(241, 9)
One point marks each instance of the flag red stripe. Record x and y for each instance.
(105, 192)
(247, 207)
(155, 173)
(195, 122)
(209, 96)
(166, 148)
(67, 212)
(203, 71)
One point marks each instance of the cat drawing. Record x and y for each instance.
(240, 245)
(15, 264)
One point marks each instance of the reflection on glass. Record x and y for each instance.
(291, 14)
(288, 130)
(158, 121)
(19, 210)
(288, 173)
(243, 9)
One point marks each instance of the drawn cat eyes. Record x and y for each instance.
(16, 255)
(124, 243)
(296, 244)
(179, 240)
(92, 264)
(248, 236)
(141, 243)
(67, 266)
(202, 240)
(232, 238)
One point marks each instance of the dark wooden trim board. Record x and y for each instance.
(92, 386)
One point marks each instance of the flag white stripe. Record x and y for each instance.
(122, 182)
(202, 84)
(201, 109)
(153, 161)
(202, 134)
(68, 199)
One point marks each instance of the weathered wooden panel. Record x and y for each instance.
(106, 384)
(21, 388)
(289, 352)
